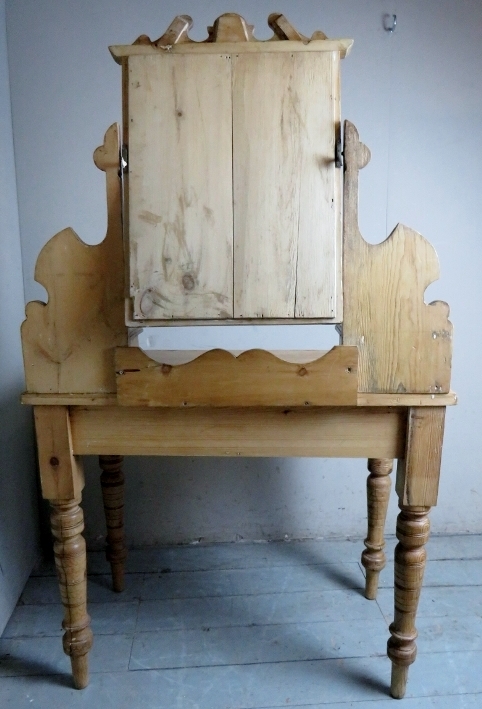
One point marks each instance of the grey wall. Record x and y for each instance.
(417, 101)
(18, 508)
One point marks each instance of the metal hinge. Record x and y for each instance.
(338, 153)
(124, 158)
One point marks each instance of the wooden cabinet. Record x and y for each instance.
(233, 205)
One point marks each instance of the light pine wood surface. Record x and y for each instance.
(112, 484)
(413, 529)
(285, 184)
(61, 472)
(419, 469)
(378, 494)
(254, 378)
(385, 400)
(121, 51)
(67, 525)
(314, 432)
(180, 186)
(235, 34)
(405, 345)
(68, 343)
(188, 169)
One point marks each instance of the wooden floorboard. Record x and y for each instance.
(251, 626)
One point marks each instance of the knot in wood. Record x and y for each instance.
(302, 372)
(166, 368)
(188, 282)
(54, 462)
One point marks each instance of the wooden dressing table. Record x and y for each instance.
(225, 206)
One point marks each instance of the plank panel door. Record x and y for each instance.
(285, 184)
(180, 186)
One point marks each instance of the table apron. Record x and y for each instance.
(336, 432)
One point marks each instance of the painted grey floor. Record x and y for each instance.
(245, 626)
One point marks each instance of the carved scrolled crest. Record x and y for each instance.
(405, 344)
(229, 28)
(68, 342)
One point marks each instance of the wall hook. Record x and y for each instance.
(389, 23)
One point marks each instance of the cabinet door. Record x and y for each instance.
(286, 186)
(180, 186)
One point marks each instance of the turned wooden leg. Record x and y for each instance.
(112, 482)
(413, 528)
(67, 523)
(378, 493)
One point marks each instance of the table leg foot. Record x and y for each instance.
(398, 684)
(80, 671)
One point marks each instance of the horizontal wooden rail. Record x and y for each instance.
(336, 432)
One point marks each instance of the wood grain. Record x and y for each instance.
(61, 472)
(112, 483)
(418, 471)
(378, 494)
(141, 322)
(283, 29)
(230, 27)
(68, 343)
(180, 194)
(367, 399)
(231, 30)
(405, 345)
(254, 378)
(413, 529)
(69, 399)
(67, 525)
(175, 33)
(343, 46)
(325, 432)
(287, 211)
(398, 400)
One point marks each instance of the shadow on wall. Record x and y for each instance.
(189, 500)
(19, 545)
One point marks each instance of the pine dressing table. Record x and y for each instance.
(225, 205)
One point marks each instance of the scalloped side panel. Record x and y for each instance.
(405, 345)
(68, 343)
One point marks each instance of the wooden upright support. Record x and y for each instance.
(62, 481)
(417, 487)
(413, 528)
(112, 482)
(378, 493)
(67, 524)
